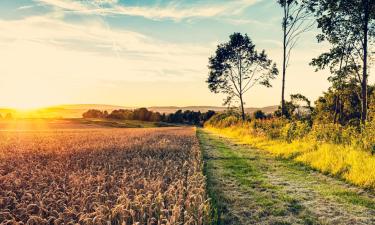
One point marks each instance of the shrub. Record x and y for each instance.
(259, 114)
(223, 120)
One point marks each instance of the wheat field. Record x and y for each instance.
(102, 176)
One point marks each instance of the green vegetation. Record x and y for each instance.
(237, 67)
(122, 123)
(250, 186)
(331, 148)
(336, 135)
(118, 116)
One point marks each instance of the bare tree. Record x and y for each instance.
(296, 20)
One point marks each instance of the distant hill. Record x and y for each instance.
(60, 111)
(76, 110)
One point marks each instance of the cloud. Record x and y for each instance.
(174, 10)
(25, 7)
(246, 22)
(51, 47)
(54, 61)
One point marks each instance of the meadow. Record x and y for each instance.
(340, 151)
(91, 175)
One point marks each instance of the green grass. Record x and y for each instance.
(245, 170)
(347, 162)
(354, 198)
(276, 189)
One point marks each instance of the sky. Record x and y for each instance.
(138, 53)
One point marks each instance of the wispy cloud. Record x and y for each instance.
(25, 7)
(245, 22)
(91, 49)
(174, 10)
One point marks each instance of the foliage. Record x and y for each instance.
(142, 114)
(225, 119)
(236, 67)
(189, 117)
(349, 26)
(104, 176)
(296, 20)
(259, 114)
(94, 113)
(298, 108)
(138, 114)
(330, 148)
(362, 137)
(342, 106)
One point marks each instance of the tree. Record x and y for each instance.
(303, 108)
(259, 114)
(206, 116)
(121, 114)
(155, 117)
(344, 112)
(237, 67)
(142, 114)
(296, 20)
(348, 25)
(299, 107)
(94, 113)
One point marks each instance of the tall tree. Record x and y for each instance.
(237, 67)
(296, 20)
(348, 25)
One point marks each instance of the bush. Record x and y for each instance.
(259, 114)
(93, 113)
(223, 120)
(272, 128)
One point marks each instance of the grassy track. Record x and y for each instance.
(249, 186)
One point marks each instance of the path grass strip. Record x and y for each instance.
(240, 192)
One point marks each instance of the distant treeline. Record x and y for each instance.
(7, 116)
(143, 114)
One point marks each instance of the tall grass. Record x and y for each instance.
(346, 152)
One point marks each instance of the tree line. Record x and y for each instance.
(7, 116)
(143, 114)
(348, 26)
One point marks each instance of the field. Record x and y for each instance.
(80, 174)
(76, 111)
(76, 171)
(76, 123)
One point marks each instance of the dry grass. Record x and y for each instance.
(102, 176)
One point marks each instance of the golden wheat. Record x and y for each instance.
(102, 176)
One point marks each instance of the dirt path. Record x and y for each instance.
(249, 186)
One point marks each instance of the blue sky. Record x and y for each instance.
(137, 53)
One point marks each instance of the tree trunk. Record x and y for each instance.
(336, 109)
(341, 119)
(365, 49)
(242, 109)
(283, 110)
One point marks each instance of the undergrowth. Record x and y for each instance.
(340, 151)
